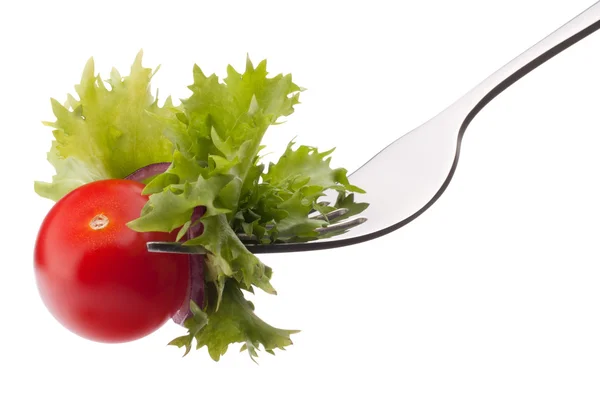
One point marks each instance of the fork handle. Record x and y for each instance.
(572, 32)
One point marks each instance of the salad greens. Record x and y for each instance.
(212, 140)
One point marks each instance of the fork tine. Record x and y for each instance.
(173, 247)
(247, 238)
(331, 215)
(338, 227)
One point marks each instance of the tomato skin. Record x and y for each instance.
(102, 283)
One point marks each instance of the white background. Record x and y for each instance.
(487, 305)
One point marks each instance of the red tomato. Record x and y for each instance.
(94, 273)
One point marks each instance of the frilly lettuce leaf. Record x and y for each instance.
(111, 130)
(233, 322)
(284, 195)
(70, 174)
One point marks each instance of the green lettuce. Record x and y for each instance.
(212, 141)
(109, 132)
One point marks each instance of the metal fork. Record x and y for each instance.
(420, 164)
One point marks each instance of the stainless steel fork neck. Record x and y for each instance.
(572, 32)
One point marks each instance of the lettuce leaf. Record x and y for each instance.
(233, 322)
(212, 141)
(111, 130)
(290, 190)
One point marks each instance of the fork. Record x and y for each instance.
(423, 161)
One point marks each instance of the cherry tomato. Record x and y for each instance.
(94, 273)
